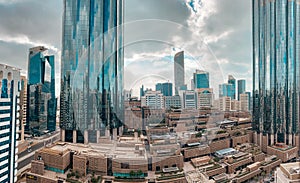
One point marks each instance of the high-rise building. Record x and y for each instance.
(172, 102)
(250, 99)
(179, 72)
(226, 90)
(153, 100)
(23, 107)
(244, 99)
(41, 101)
(232, 81)
(201, 79)
(204, 97)
(9, 118)
(142, 91)
(165, 88)
(224, 103)
(241, 87)
(127, 95)
(91, 103)
(188, 99)
(235, 105)
(276, 71)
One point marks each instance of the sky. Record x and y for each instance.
(214, 34)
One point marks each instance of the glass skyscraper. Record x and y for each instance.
(201, 79)
(41, 101)
(179, 72)
(241, 87)
(226, 90)
(165, 88)
(9, 122)
(276, 68)
(92, 70)
(232, 81)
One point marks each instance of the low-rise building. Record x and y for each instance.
(288, 173)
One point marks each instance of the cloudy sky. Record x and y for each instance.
(215, 35)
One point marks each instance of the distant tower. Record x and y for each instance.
(179, 72)
(232, 80)
(241, 87)
(41, 101)
(201, 79)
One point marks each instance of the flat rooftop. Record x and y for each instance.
(291, 168)
(224, 152)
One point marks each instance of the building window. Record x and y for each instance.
(125, 165)
(157, 168)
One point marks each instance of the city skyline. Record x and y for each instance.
(184, 13)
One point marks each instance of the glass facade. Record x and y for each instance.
(10, 82)
(92, 67)
(165, 88)
(226, 90)
(179, 72)
(232, 81)
(201, 79)
(241, 87)
(41, 101)
(276, 51)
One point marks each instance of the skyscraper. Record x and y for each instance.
(9, 126)
(276, 61)
(226, 90)
(165, 88)
(41, 101)
(241, 87)
(92, 70)
(201, 79)
(179, 72)
(232, 81)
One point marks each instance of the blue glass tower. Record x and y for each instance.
(92, 70)
(276, 68)
(241, 87)
(226, 90)
(201, 79)
(41, 101)
(232, 81)
(165, 88)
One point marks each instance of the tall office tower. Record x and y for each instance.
(226, 90)
(142, 91)
(165, 88)
(201, 79)
(23, 106)
(9, 118)
(91, 102)
(41, 101)
(232, 81)
(179, 72)
(276, 71)
(241, 87)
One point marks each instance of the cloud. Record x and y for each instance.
(215, 35)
